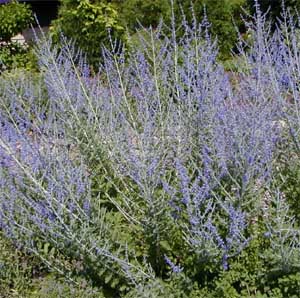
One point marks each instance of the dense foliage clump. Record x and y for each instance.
(274, 7)
(162, 175)
(89, 23)
(14, 18)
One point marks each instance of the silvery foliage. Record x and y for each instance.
(186, 142)
(283, 234)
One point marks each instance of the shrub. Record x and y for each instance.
(88, 24)
(14, 17)
(146, 13)
(17, 269)
(223, 16)
(15, 55)
(159, 174)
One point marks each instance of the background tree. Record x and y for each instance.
(274, 6)
(14, 18)
(88, 23)
(224, 17)
(147, 13)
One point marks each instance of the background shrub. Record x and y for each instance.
(14, 55)
(14, 17)
(89, 25)
(224, 17)
(146, 13)
(87, 22)
(274, 7)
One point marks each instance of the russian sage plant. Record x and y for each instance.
(159, 158)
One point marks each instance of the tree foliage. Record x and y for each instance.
(224, 17)
(88, 23)
(147, 13)
(14, 17)
(274, 7)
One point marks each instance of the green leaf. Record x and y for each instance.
(165, 245)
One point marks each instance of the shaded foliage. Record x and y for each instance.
(14, 17)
